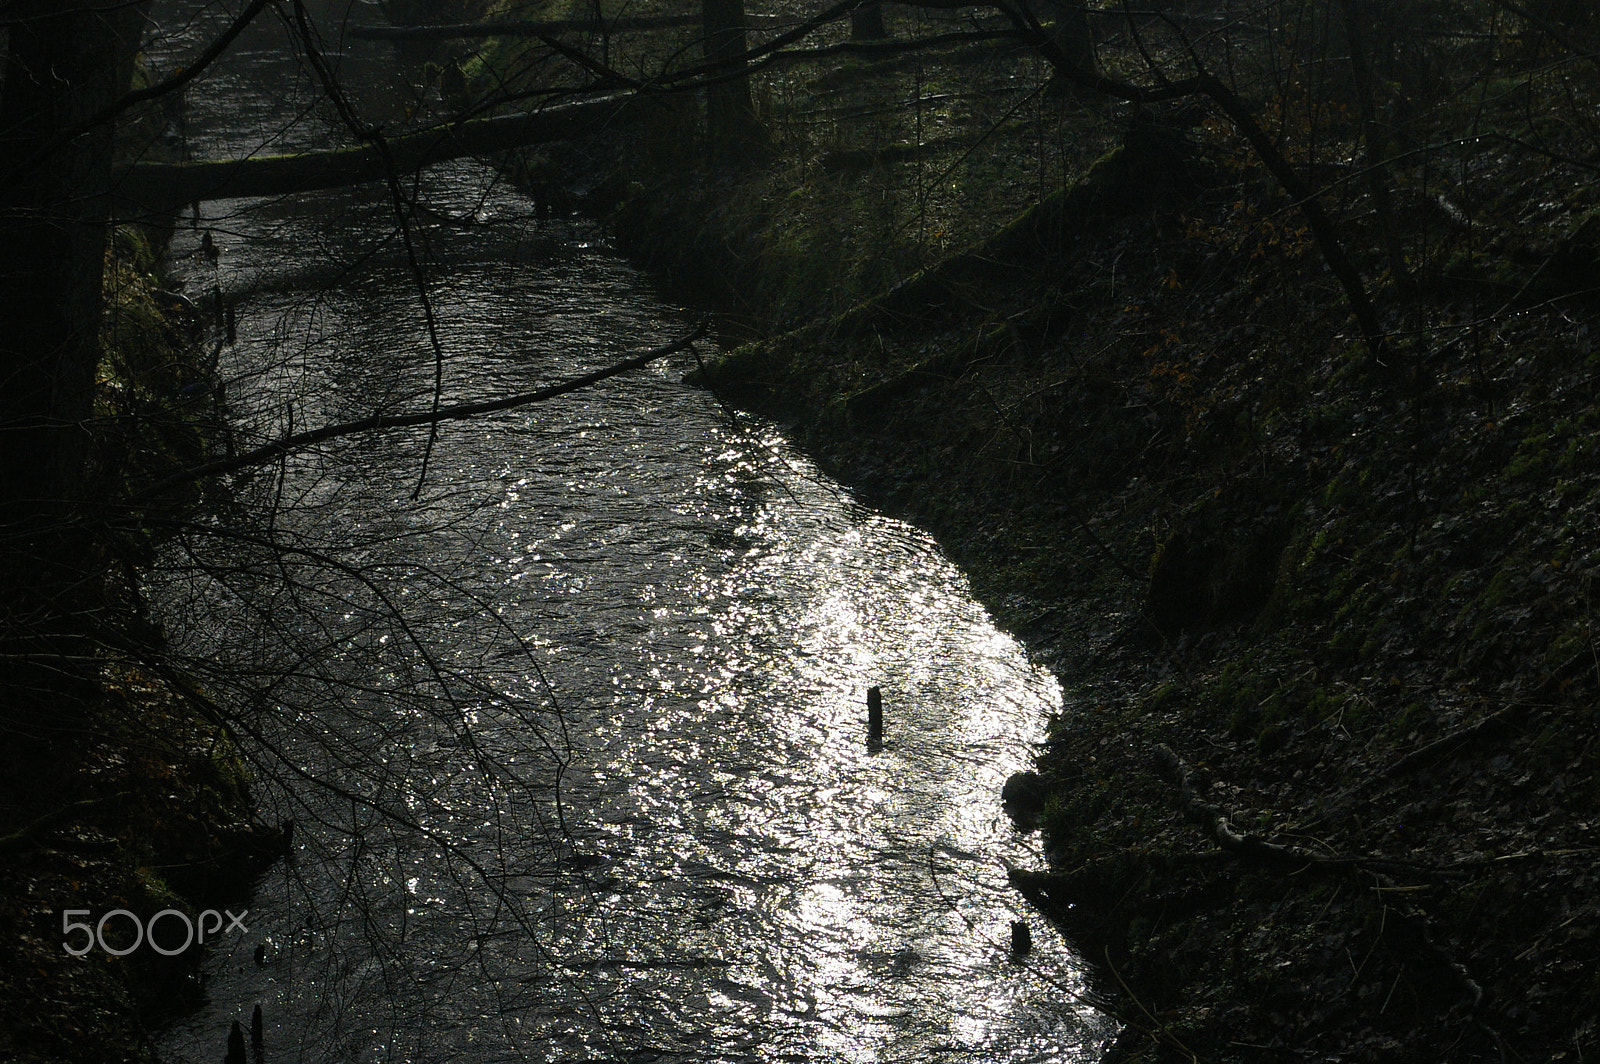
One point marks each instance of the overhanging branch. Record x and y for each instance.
(300, 440)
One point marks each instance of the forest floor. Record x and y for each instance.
(1326, 784)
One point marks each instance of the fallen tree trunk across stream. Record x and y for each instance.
(463, 31)
(477, 30)
(162, 188)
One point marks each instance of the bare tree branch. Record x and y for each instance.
(296, 441)
(172, 84)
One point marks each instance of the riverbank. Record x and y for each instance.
(123, 787)
(1327, 788)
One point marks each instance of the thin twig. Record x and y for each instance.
(297, 441)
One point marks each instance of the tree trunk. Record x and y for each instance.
(1070, 30)
(61, 68)
(64, 64)
(1374, 144)
(733, 135)
(866, 22)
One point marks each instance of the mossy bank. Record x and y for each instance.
(123, 789)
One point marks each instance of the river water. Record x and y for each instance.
(574, 739)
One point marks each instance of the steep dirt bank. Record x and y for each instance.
(1327, 787)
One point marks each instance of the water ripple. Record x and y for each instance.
(594, 703)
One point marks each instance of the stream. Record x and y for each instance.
(568, 702)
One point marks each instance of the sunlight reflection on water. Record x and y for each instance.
(724, 873)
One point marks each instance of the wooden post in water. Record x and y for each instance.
(874, 720)
(1021, 938)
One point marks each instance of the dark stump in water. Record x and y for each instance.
(1023, 798)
